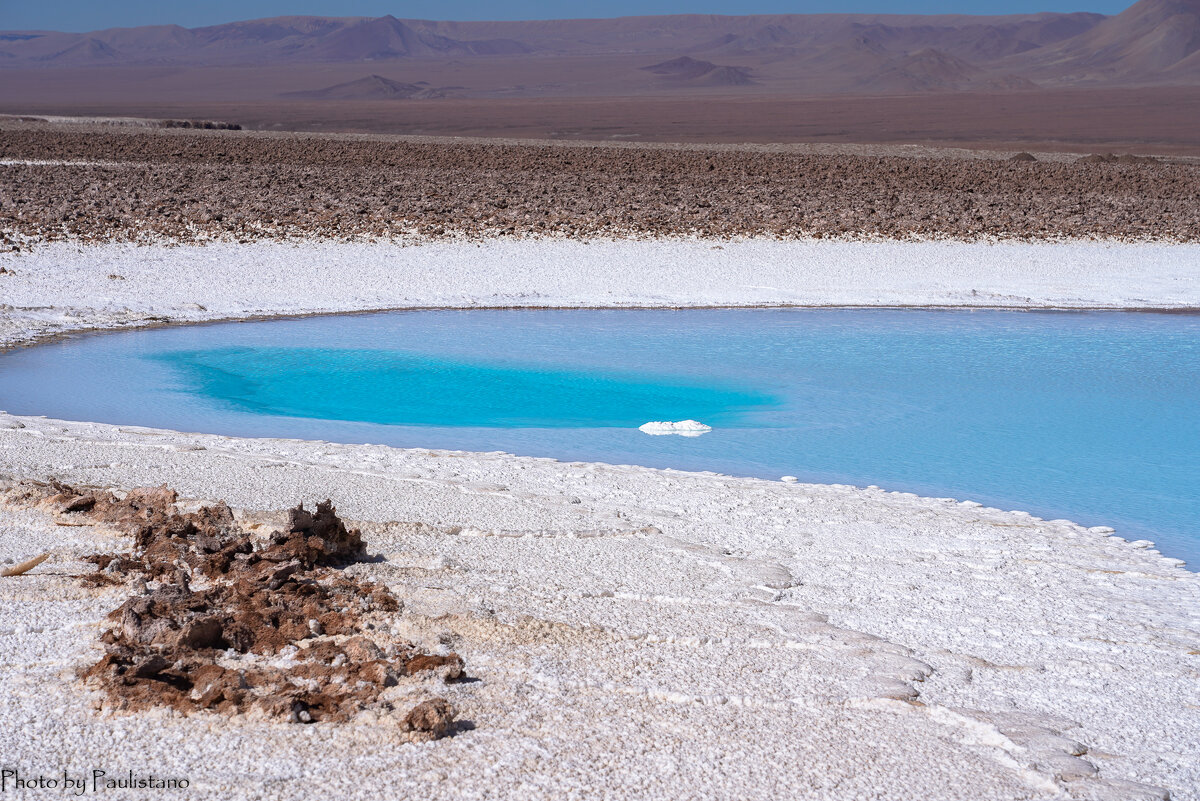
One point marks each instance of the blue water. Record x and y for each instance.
(1091, 416)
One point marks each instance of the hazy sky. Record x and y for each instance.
(86, 15)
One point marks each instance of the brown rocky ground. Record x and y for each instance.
(190, 185)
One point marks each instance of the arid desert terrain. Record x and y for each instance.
(96, 183)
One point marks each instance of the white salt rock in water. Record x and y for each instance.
(684, 428)
(789, 479)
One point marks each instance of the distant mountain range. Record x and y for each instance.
(281, 39)
(1154, 42)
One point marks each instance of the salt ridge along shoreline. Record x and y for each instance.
(63, 287)
(635, 631)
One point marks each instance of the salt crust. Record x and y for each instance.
(683, 428)
(62, 287)
(638, 633)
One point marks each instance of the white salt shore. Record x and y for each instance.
(635, 633)
(65, 286)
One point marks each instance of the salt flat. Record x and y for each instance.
(62, 287)
(634, 632)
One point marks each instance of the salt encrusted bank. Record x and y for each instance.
(62, 287)
(635, 632)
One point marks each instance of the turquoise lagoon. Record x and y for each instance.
(1092, 416)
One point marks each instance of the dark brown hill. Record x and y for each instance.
(375, 87)
(686, 69)
(86, 51)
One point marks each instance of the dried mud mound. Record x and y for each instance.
(191, 186)
(220, 621)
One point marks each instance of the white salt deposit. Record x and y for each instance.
(684, 428)
(57, 163)
(65, 286)
(773, 635)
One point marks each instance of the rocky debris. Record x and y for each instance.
(1022, 156)
(220, 621)
(434, 716)
(1112, 158)
(46, 495)
(193, 186)
(208, 125)
(318, 538)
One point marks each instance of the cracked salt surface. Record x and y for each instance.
(778, 635)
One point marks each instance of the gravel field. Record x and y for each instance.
(92, 184)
